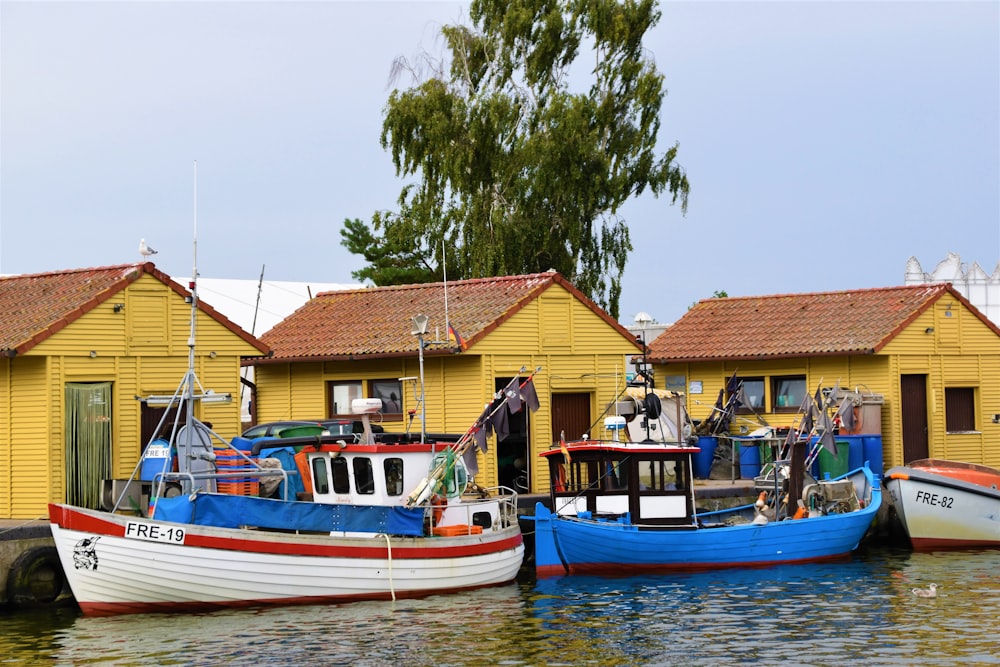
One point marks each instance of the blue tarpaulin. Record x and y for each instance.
(235, 511)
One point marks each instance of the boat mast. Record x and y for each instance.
(192, 285)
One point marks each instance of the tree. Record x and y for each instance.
(516, 171)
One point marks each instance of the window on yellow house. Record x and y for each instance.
(340, 395)
(390, 392)
(753, 392)
(787, 392)
(960, 409)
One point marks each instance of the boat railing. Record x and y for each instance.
(161, 479)
(501, 497)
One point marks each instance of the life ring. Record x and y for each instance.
(35, 578)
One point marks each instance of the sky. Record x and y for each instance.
(825, 142)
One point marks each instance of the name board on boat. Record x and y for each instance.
(153, 532)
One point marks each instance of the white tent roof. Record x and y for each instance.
(237, 299)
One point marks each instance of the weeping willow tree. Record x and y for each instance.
(524, 144)
(88, 442)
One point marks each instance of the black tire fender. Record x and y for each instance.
(35, 578)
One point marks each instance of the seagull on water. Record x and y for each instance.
(145, 250)
(929, 592)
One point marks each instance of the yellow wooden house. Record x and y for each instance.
(479, 335)
(78, 349)
(925, 360)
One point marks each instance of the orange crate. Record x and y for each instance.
(236, 486)
(452, 531)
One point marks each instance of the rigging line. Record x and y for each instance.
(444, 269)
(459, 448)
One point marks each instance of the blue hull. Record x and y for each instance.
(576, 546)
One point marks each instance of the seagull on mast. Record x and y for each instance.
(145, 250)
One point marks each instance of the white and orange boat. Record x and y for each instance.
(944, 504)
(382, 516)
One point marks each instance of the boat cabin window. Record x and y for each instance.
(580, 476)
(660, 475)
(393, 476)
(615, 474)
(341, 477)
(321, 481)
(364, 481)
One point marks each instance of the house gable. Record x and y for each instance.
(511, 326)
(377, 322)
(928, 332)
(128, 326)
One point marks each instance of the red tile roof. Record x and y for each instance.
(35, 306)
(798, 325)
(376, 321)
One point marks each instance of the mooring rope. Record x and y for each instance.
(22, 525)
(388, 546)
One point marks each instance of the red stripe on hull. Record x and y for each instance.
(67, 518)
(934, 544)
(549, 571)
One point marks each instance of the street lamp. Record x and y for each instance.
(420, 330)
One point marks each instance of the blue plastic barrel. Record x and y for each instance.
(157, 459)
(703, 459)
(872, 452)
(749, 458)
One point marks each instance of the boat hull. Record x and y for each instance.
(581, 546)
(939, 507)
(119, 564)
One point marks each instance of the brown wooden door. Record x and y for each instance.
(913, 403)
(570, 414)
(150, 421)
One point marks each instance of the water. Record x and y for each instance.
(859, 611)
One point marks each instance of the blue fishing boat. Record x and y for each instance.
(626, 506)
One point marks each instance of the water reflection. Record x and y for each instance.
(856, 612)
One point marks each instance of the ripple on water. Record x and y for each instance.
(857, 612)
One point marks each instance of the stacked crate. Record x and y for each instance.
(227, 461)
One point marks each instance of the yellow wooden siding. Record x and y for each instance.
(6, 475)
(101, 331)
(273, 395)
(147, 313)
(913, 339)
(29, 443)
(32, 428)
(557, 326)
(554, 324)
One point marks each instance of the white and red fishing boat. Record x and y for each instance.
(376, 516)
(946, 504)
